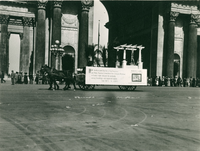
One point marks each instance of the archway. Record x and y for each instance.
(68, 61)
(176, 65)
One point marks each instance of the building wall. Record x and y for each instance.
(133, 27)
(69, 29)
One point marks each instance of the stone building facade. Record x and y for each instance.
(168, 30)
(39, 24)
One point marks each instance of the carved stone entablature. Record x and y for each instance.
(86, 4)
(184, 9)
(173, 16)
(57, 4)
(4, 19)
(17, 22)
(27, 21)
(21, 36)
(42, 5)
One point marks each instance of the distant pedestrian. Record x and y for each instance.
(184, 82)
(188, 82)
(20, 78)
(31, 78)
(193, 82)
(16, 77)
(197, 82)
(25, 78)
(37, 77)
(168, 82)
(159, 81)
(2, 77)
(12, 77)
(163, 81)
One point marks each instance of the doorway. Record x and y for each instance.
(68, 61)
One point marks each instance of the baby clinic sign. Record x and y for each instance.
(115, 76)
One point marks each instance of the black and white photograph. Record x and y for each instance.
(99, 75)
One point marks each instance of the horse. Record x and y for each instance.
(57, 75)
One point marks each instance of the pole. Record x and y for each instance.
(98, 34)
(98, 41)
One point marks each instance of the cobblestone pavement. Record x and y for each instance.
(33, 118)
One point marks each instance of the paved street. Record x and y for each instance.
(33, 118)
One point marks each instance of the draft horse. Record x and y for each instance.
(56, 75)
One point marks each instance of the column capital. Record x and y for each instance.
(86, 4)
(4, 19)
(42, 4)
(195, 19)
(27, 21)
(173, 16)
(21, 36)
(57, 4)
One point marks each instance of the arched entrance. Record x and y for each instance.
(176, 65)
(68, 61)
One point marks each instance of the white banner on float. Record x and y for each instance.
(115, 76)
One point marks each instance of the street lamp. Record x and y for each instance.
(57, 51)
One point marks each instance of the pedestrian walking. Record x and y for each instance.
(2, 77)
(193, 82)
(16, 77)
(168, 82)
(197, 82)
(190, 81)
(25, 78)
(12, 77)
(31, 78)
(163, 81)
(37, 77)
(19, 78)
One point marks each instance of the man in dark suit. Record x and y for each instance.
(12, 77)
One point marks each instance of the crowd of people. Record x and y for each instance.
(174, 82)
(20, 78)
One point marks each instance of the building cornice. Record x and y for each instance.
(184, 8)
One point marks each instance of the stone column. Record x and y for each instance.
(192, 49)
(7, 52)
(27, 22)
(83, 34)
(40, 36)
(34, 46)
(3, 45)
(160, 42)
(21, 52)
(31, 47)
(47, 42)
(170, 45)
(56, 30)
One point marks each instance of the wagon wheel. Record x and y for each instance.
(82, 86)
(89, 87)
(122, 87)
(131, 88)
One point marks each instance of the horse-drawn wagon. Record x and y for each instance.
(127, 77)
